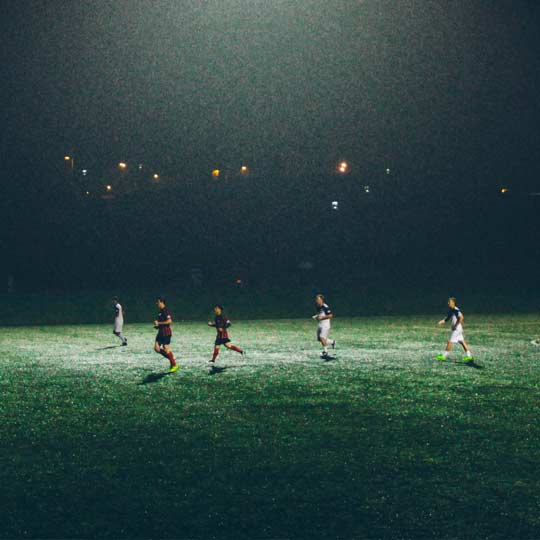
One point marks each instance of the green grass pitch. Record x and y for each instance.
(383, 441)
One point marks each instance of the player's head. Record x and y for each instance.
(451, 302)
(160, 302)
(319, 299)
(218, 309)
(115, 300)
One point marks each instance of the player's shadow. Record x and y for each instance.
(329, 358)
(153, 378)
(109, 347)
(470, 363)
(215, 370)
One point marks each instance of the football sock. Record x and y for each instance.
(445, 354)
(171, 358)
(215, 355)
(235, 348)
(468, 353)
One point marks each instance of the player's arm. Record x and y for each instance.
(162, 323)
(210, 323)
(446, 319)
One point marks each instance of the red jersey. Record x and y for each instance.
(222, 322)
(164, 329)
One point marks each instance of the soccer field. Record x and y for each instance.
(382, 441)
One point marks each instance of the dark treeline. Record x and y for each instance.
(266, 229)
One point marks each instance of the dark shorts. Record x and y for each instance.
(163, 340)
(222, 341)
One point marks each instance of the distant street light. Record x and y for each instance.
(156, 176)
(504, 190)
(122, 165)
(216, 173)
(244, 169)
(108, 187)
(71, 161)
(343, 167)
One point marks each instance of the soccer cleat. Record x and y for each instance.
(124, 343)
(440, 357)
(172, 369)
(468, 358)
(324, 355)
(536, 342)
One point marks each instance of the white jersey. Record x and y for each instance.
(456, 334)
(323, 311)
(118, 318)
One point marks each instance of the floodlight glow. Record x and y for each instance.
(504, 190)
(122, 165)
(109, 187)
(84, 172)
(156, 176)
(216, 173)
(243, 169)
(67, 158)
(335, 205)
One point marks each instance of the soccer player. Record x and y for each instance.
(324, 315)
(118, 320)
(221, 323)
(163, 339)
(456, 335)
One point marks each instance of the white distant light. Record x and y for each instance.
(140, 166)
(366, 189)
(84, 172)
(388, 171)
(335, 205)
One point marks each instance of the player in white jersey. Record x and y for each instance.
(118, 321)
(456, 335)
(324, 315)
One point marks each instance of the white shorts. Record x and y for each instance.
(323, 332)
(118, 326)
(456, 336)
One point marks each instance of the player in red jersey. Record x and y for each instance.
(221, 323)
(163, 339)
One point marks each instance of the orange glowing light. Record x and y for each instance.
(216, 173)
(504, 190)
(122, 165)
(109, 187)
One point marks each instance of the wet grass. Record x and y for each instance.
(382, 441)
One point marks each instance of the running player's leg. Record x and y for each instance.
(215, 353)
(468, 353)
(169, 354)
(232, 347)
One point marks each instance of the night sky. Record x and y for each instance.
(445, 94)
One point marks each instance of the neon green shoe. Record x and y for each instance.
(172, 369)
(440, 357)
(468, 358)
